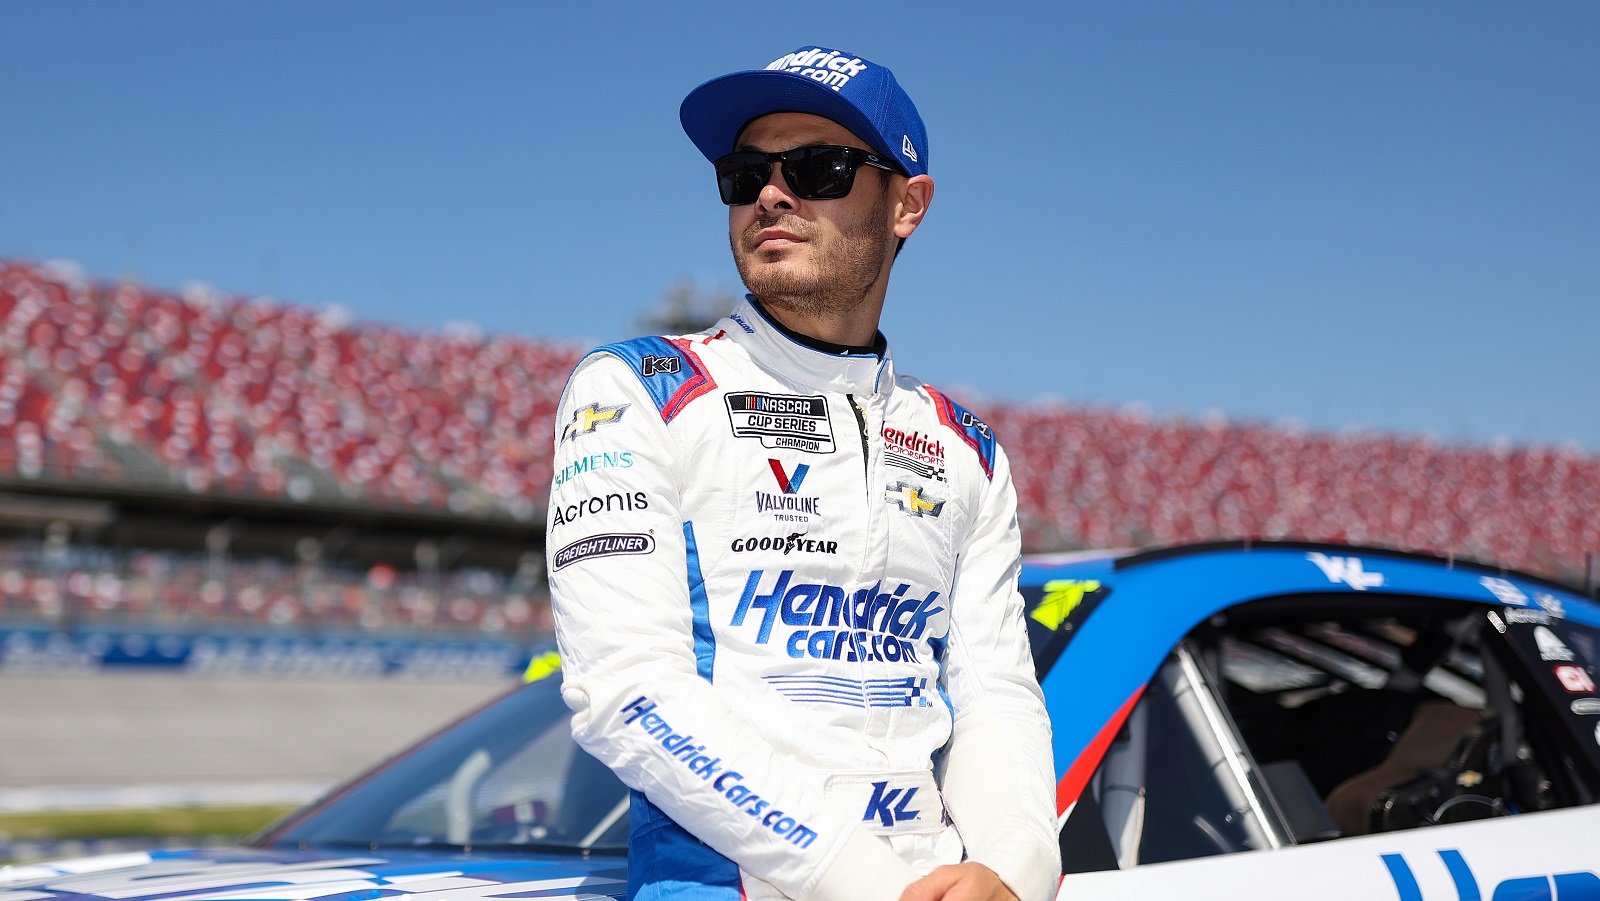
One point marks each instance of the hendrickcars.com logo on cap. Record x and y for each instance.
(830, 67)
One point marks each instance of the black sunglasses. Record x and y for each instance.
(822, 172)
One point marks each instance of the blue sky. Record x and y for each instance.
(1353, 214)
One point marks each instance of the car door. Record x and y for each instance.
(1391, 746)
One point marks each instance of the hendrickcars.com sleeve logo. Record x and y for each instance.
(642, 713)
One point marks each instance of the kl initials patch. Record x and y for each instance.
(882, 805)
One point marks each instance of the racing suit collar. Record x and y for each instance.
(794, 361)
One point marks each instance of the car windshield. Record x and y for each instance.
(508, 776)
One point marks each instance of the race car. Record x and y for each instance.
(1239, 720)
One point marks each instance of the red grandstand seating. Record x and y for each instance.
(118, 383)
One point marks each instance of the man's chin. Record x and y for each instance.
(777, 280)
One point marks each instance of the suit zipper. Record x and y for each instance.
(866, 445)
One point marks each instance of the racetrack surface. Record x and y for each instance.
(85, 740)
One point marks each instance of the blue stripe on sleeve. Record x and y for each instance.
(705, 643)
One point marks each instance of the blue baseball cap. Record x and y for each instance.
(854, 92)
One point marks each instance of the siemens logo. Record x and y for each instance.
(878, 625)
(641, 713)
(582, 465)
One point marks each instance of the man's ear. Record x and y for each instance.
(915, 196)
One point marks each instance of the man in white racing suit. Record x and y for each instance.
(783, 575)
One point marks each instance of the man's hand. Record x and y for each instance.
(959, 882)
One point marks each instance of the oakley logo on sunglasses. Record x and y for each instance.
(821, 172)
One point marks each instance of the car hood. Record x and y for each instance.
(245, 874)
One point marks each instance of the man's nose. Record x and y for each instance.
(776, 194)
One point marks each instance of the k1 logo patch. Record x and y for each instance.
(654, 365)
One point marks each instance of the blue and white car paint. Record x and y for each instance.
(477, 812)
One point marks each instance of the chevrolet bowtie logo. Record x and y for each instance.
(586, 419)
(911, 500)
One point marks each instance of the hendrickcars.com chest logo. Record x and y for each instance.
(792, 421)
(837, 623)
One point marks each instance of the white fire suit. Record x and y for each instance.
(784, 586)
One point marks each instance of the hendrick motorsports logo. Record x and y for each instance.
(607, 545)
(782, 420)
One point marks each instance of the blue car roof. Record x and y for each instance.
(1152, 599)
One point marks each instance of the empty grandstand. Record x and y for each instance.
(199, 459)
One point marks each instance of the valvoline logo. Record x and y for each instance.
(788, 483)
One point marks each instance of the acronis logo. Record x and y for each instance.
(877, 625)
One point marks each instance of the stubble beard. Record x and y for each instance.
(835, 283)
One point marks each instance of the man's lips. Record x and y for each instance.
(774, 238)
